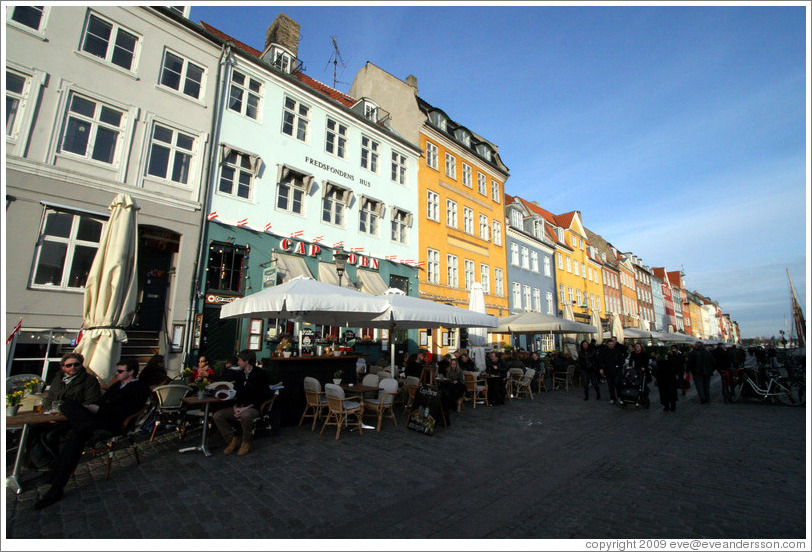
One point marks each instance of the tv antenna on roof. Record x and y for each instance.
(336, 59)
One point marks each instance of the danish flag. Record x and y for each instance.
(242, 222)
(268, 227)
(318, 239)
(297, 234)
(15, 330)
(407, 261)
(357, 249)
(338, 244)
(213, 215)
(420, 263)
(391, 257)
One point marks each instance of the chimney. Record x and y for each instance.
(285, 32)
(411, 80)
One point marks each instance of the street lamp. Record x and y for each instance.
(340, 257)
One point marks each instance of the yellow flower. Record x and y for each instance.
(14, 398)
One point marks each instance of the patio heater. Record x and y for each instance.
(340, 257)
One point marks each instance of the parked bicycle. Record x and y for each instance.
(763, 384)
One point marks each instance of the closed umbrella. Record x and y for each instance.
(111, 288)
(477, 337)
(569, 339)
(617, 327)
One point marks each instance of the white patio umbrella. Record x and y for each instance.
(538, 322)
(617, 327)
(110, 291)
(477, 337)
(636, 333)
(568, 339)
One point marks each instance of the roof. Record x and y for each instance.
(226, 38)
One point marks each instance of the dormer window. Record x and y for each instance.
(463, 136)
(484, 151)
(280, 58)
(439, 120)
(516, 219)
(560, 233)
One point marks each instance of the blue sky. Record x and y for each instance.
(680, 133)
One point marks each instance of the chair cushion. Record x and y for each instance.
(351, 405)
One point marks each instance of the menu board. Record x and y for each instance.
(426, 410)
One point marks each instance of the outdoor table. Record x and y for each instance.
(205, 402)
(26, 419)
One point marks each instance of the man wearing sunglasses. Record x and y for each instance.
(126, 395)
(71, 383)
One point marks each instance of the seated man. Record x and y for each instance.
(125, 396)
(253, 388)
(71, 383)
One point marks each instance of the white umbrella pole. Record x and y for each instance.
(299, 329)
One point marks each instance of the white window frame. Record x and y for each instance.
(294, 192)
(38, 32)
(559, 260)
(243, 165)
(295, 119)
(398, 168)
(514, 254)
(400, 226)
(433, 266)
(369, 216)
(468, 220)
(469, 273)
(537, 299)
(495, 191)
(568, 262)
(497, 233)
(123, 129)
(174, 150)
(183, 77)
(570, 295)
(369, 153)
(482, 183)
(334, 205)
(335, 138)
(526, 297)
(516, 219)
(575, 268)
(71, 242)
(17, 135)
(525, 258)
(534, 261)
(466, 175)
(451, 213)
(578, 297)
(484, 227)
(561, 294)
(516, 295)
(431, 155)
(433, 206)
(498, 282)
(548, 269)
(485, 277)
(452, 271)
(110, 50)
(550, 303)
(450, 166)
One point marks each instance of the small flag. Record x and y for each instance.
(15, 330)
(420, 263)
(318, 239)
(297, 234)
(242, 222)
(268, 227)
(407, 261)
(391, 257)
(338, 244)
(213, 215)
(357, 249)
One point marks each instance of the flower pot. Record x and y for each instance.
(336, 380)
(201, 395)
(336, 353)
(286, 354)
(12, 410)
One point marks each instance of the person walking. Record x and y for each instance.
(586, 362)
(701, 366)
(667, 374)
(610, 365)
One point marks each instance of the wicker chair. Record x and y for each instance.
(522, 386)
(475, 389)
(384, 402)
(104, 442)
(412, 385)
(169, 406)
(264, 419)
(564, 379)
(339, 407)
(513, 377)
(316, 401)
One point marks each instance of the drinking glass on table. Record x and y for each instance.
(56, 406)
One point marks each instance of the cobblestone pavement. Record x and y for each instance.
(556, 467)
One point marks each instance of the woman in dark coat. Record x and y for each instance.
(668, 371)
(586, 363)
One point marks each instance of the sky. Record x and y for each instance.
(679, 132)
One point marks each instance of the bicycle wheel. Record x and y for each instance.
(795, 393)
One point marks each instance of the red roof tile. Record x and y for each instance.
(565, 220)
(223, 36)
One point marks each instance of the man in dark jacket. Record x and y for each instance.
(125, 396)
(71, 383)
(610, 365)
(252, 387)
(701, 366)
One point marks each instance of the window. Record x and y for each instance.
(451, 213)
(575, 268)
(431, 155)
(290, 192)
(370, 214)
(534, 261)
(171, 153)
(569, 265)
(398, 168)
(583, 269)
(93, 130)
(561, 293)
(469, 273)
(182, 75)
(526, 295)
(225, 268)
(485, 277)
(295, 121)
(482, 183)
(560, 261)
(17, 89)
(569, 294)
(400, 225)
(450, 166)
(578, 296)
(514, 254)
(110, 42)
(517, 295)
(547, 268)
(236, 175)
(336, 140)
(525, 258)
(433, 266)
(369, 153)
(66, 248)
(29, 16)
(497, 232)
(516, 219)
(333, 204)
(537, 299)
(452, 273)
(598, 303)
(495, 194)
(433, 206)
(589, 273)
(468, 220)
(483, 227)
(498, 282)
(550, 303)
(244, 95)
(466, 175)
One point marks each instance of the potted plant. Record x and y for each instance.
(31, 386)
(186, 374)
(201, 385)
(287, 350)
(337, 376)
(13, 401)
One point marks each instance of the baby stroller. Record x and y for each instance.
(633, 389)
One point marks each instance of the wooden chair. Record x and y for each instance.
(104, 442)
(428, 376)
(339, 407)
(412, 385)
(169, 406)
(384, 402)
(316, 401)
(540, 381)
(475, 389)
(522, 386)
(564, 379)
(513, 377)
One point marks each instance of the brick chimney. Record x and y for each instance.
(411, 80)
(285, 32)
